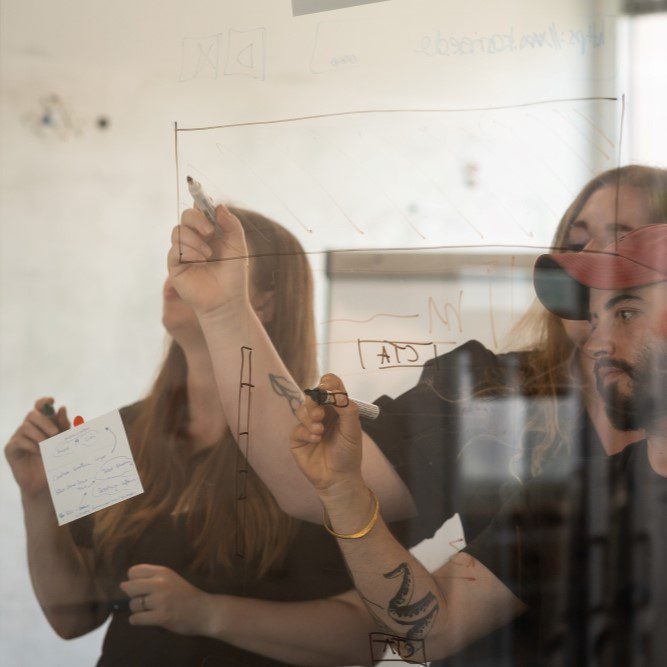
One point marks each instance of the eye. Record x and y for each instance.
(626, 315)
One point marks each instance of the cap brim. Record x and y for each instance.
(558, 291)
(562, 280)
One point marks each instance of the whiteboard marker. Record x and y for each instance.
(203, 201)
(324, 397)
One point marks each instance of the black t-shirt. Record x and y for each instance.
(585, 547)
(312, 569)
(452, 436)
(455, 440)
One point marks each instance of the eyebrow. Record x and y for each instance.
(621, 297)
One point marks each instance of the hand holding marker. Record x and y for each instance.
(48, 410)
(320, 396)
(341, 400)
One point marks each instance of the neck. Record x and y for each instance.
(657, 447)
(207, 420)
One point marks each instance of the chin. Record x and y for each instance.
(180, 327)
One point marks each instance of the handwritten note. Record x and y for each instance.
(90, 467)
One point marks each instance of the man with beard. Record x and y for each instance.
(584, 545)
(623, 293)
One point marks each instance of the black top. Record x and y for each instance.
(313, 569)
(429, 434)
(585, 547)
(452, 436)
(454, 439)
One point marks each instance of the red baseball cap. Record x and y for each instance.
(562, 280)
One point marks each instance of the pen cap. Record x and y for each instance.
(367, 410)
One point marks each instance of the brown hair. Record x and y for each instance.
(205, 496)
(549, 367)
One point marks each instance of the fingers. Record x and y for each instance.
(41, 402)
(145, 570)
(301, 436)
(311, 415)
(189, 244)
(62, 419)
(38, 427)
(232, 231)
(195, 220)
(143, 582)
(311, 427)
(138, 587)
(345, 408)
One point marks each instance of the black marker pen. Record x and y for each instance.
(342, 400)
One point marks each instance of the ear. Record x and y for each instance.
(264, 304)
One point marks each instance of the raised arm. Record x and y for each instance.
(439, 613)
(210, 271)
(60, 572)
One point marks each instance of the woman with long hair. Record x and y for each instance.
(205, 524)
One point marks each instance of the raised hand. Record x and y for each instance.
(22, 450)
(326, 443)
(208, 266)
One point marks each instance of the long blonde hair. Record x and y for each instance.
(158, 433)
(549, 369)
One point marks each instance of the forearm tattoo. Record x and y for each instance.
(419, 615)
(287, 389)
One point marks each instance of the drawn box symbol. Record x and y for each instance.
(246, 53)
(200, 58)
(391, 648)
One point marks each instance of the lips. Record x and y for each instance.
(609, 374)
(611, 370)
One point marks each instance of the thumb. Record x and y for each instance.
(62, 420)
(346, 410)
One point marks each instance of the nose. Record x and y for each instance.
(599, 343)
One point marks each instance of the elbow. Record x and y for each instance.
(303, 508)
(68, 626)
(67, 631)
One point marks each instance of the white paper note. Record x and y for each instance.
(90, 467)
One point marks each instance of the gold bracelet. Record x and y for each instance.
(364, 531)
